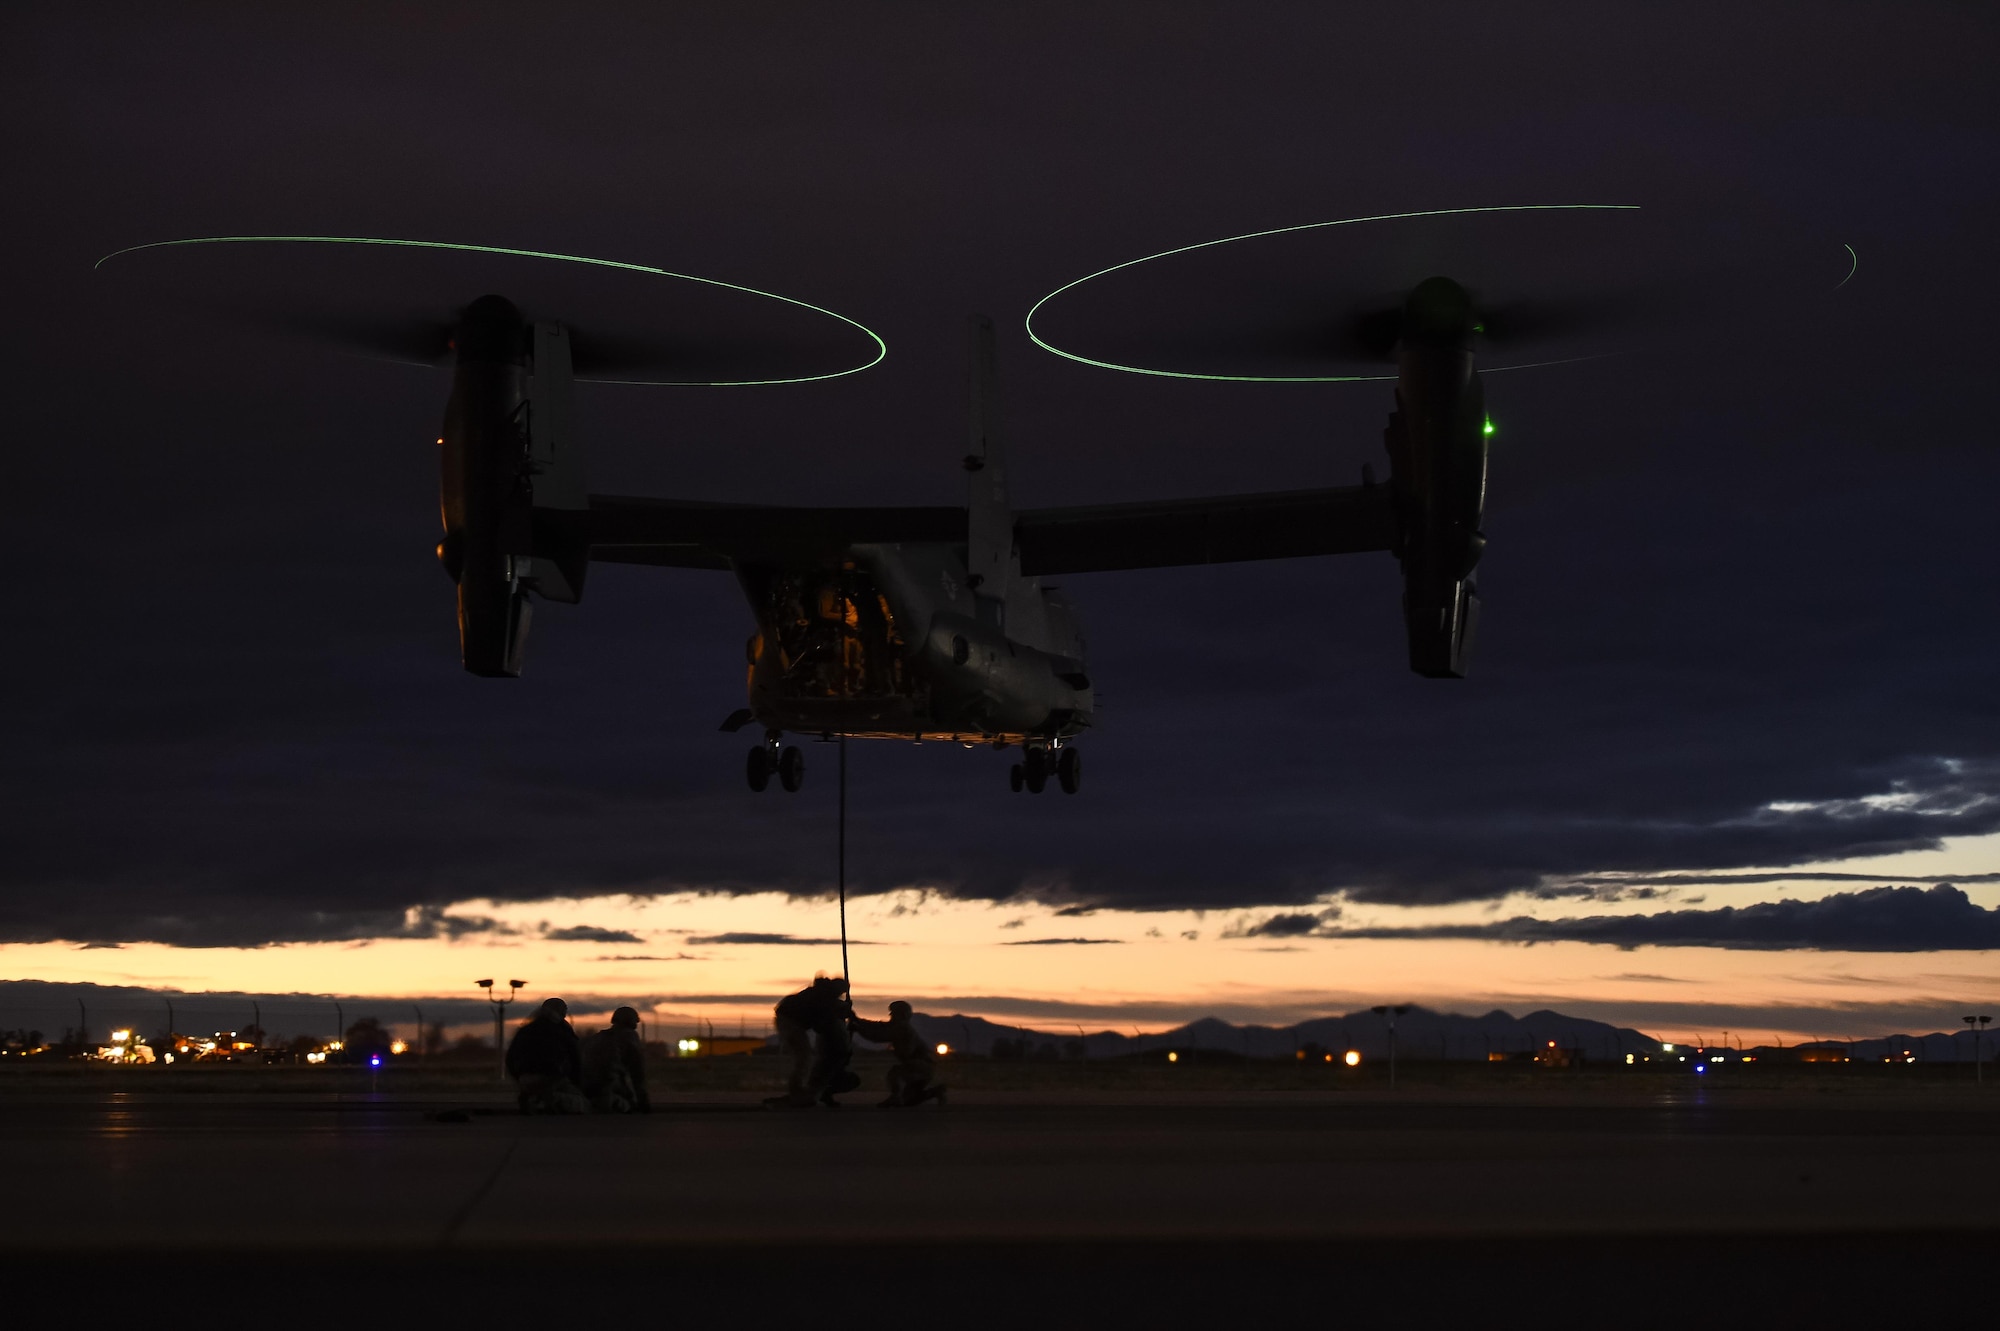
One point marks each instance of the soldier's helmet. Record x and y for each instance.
(627, 1017)
(899, 1009)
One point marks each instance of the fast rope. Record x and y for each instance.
(845, 973)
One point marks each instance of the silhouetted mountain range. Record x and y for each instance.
(1421, 1034)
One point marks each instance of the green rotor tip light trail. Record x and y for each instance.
(881, 347)
(1489, 428)
(1045, 345)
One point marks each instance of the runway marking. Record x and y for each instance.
(464, 1212)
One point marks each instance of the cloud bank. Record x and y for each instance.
(1883, 919)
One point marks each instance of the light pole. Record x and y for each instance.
(1389, 1012)
(1978, 1026)
(420, 1029)
(514, 988)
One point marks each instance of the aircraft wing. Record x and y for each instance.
(680, 533)
(1286, 525)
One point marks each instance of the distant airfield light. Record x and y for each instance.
(1701, 1067)
(1329, 1058)
(374, 1060)
(1173, 1057)
(120, 1037)
(1666, 1048)
(943, 1049)
(1353, 1058)
(398, 1047)
(1629, 1058)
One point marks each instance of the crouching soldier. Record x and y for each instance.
(545, 1063)
(812, 1035)
(910, 1079)
(614, 1067)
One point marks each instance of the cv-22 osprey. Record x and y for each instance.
(934, 622)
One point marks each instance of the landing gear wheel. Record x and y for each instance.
(1069, 770)
(1035, 771)
(1016, 778)
(758, 769)
(791, 768)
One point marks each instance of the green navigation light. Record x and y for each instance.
(1489, 427)
(881, 347)
(1037, 339)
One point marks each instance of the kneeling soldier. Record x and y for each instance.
(614, 1067)
(910, 1081)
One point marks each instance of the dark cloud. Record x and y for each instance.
(770, 940)
(1597, 892)
(1057, 942)
(590, 933)
(1588, 887)
(678, 956)
(1732, 588)
(1280, 926)
(1882, 919)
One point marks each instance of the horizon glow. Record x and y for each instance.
(951, 956)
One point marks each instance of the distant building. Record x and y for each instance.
(715, 1046)
(1823, 1052)
(1553, 1055)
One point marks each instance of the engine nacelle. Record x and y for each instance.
(1437, 452)
(510, 470)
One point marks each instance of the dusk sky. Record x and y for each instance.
(1734, 679)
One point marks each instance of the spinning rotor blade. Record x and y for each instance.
(403, 301)
(1346, 331)
(422, 340)
(1529, 321)
(1374, 333)
(408, 338)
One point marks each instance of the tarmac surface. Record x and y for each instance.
(1181, 1207)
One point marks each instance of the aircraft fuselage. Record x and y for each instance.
(893, 642)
